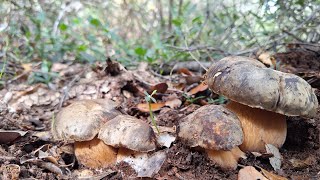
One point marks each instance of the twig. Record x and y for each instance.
(66, 88)
(57, 21)
(194, 57)
(170, 15)
(199, 48)
(207, 12)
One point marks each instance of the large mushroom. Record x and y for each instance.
(88, 123)
(217, 130)
(261, 97)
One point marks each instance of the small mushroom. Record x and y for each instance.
(261, 97)
(217, 130)
(128, 132)
(79, 123)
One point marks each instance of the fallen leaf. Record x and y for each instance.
(266, 58)
(297, 163)
(7, 136)
(173, 103)
(10, 171)
(112, 68)
(165, 139)
(161, 88)
(271, 176)
(27, 67)
(201, 87)
(275, 161)
(193, 79)
(184, 71)
(145, 165)
(250, 173)
(144, 107)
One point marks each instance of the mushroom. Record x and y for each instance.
(98, 130)
(261, 97)
(79, 123)
(128, 132)
(217, 130)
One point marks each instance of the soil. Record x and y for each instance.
(30, 110)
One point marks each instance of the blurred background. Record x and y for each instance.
(154, 31)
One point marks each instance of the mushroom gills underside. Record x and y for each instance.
(260, 127)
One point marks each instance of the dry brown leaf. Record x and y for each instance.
(184, 71)
(161, 88)
(297, 163)
(199, 88)
(144, 107)
(271, 176)
(27, 67)
(250, 173)
(7, 136)
(10, 171)
(173, 103)
(266, 58)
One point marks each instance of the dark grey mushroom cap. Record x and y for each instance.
(128, 132)
(81, 120)
(249, 82)
(211, 127)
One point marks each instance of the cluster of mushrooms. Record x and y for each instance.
(260, 99)
(100, 133)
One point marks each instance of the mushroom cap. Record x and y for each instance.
(128, 132)
(81, 120)
(249, 82)
(211, 127)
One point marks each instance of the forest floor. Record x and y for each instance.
(27, 150)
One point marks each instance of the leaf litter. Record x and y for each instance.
(30, 108)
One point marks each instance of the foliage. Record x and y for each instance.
(153, 31)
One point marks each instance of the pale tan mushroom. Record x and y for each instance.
(217, 130)
(79, 123)
(261, 97)
(97, 130)
(128, 132)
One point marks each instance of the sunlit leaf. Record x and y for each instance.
(63, 27)
(140, 51)
(95, 22)
(177, 22)
(144, 107)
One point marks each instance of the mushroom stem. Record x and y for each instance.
(259, 127)
(226, 159)
(95, 153)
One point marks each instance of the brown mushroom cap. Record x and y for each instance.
(249, 82)
(211, 127)
(128, 132)
(81, 121)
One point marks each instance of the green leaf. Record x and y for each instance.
(63, 27)
(140, 51)
(197, 20)
(95, 22)
(82, 47)
(177, 22)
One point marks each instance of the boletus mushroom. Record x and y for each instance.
(217, 130)
(262, 98)
(98, 130)
(128, 132)
(79, 123)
